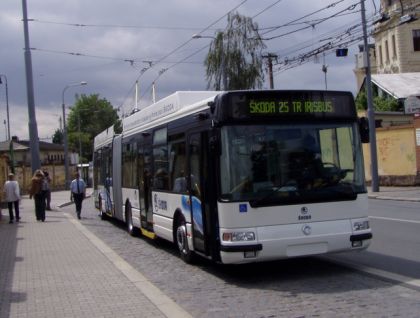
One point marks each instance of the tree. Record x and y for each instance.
(58, 137)
(89, 116)
(380, 104)
(235, 56)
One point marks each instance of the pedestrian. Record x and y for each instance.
(12, 194)
(47, 185)
(38, 194)
(78, 193)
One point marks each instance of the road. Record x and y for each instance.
(396, 244)
(303, 287)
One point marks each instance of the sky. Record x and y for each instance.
(109, 44)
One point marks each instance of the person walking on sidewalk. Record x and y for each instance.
(47, 185)
(36, 191)
(78, 193)
(12, 194)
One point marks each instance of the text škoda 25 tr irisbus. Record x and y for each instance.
(239, 176)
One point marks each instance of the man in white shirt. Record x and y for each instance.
(12, 194)
(78, 193)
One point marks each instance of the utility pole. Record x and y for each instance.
(270, 58)
(33, 129)
(371, 111)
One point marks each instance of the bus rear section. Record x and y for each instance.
(291, 183)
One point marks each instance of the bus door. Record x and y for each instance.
(197, 174)
(145, 185)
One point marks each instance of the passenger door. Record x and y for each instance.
(197, 161)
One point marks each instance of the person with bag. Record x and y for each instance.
(36, 191)
(12, 194)
(78, 193)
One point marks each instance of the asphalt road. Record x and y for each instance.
(303, 287)
(396, 238)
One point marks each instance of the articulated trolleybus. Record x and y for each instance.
(240, 176)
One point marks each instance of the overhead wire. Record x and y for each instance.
(179, 47)
(349, 8)
(162, 60)
(172, 28)
(272, 29)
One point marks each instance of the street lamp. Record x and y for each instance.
(7, 106)
(66, 160)
(222, 62)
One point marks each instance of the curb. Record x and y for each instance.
(383, 197)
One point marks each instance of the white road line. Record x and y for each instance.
(392, 219)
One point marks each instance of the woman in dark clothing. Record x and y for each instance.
(37, 192)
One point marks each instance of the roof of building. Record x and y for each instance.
(43, 145)
(25, 145)
(5, 146)
(399, 85)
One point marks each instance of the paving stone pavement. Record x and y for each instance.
(58, 269)
(55, 269)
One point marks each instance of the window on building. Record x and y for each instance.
(394, 47)
(416, 40)
(381, 60)
(386, 52)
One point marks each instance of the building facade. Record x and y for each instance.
(397, 37)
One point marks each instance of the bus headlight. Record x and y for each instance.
(239, 236)
(360, 225)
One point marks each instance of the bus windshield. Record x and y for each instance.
(285, 164)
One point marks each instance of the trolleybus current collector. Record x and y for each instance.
(239, 176)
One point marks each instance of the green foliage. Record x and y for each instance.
(380, 104)
(58, 137)
(89, 116)
(236, 55)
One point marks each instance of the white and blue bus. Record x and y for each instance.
(240, 176)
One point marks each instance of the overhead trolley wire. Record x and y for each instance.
(178, 48)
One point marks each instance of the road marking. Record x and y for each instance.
(401, 279)
(391, 219)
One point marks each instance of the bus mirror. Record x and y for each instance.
(364, 129)
(212, 106)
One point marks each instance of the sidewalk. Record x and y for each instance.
(411, 194)
(57, 268)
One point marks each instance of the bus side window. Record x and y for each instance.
(160, 160)
(177, 164)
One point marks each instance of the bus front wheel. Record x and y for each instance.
(182, 243)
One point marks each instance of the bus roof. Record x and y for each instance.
(165, 107)
(104, 137)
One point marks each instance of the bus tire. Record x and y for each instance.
(129, 221)
(182, 243)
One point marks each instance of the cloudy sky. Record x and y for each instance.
(109, 43)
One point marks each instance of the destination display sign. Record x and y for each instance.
(287, 104)
(265, 107)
